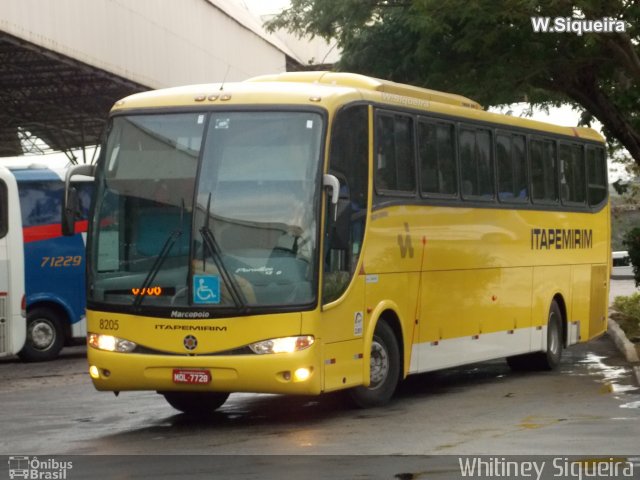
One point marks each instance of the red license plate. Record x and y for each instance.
(191, 376)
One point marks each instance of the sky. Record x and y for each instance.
(262, 7)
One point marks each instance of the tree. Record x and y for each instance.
(632, 243)
(488, 50)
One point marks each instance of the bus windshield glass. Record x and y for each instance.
(210, 210)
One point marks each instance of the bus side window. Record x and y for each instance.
(438, 169)
(544, 173)
(349, 162)
(41, 203)
(476, 164)
(596, 175)
(511, 168)
(572, 173)
(394, 162)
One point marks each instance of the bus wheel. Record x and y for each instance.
(550, 358)
(45, 336)
(385, 370)
(195, 403)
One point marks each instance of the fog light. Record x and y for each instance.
(301, 374)
(94, 372)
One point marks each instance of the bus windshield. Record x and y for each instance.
(214, 210)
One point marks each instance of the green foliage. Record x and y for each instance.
(628, 315)
(488, 50)
(632, 243)
(622, 220)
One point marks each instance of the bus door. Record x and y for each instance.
(12, 321)
(343, 289)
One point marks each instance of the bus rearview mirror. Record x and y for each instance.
(70, 201)
(70, 212)
(342, 225)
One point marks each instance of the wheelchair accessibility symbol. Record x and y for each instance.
(206, 289)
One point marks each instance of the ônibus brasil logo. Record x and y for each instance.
(37, 469)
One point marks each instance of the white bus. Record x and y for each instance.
(12, 297)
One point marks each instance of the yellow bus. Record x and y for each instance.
(310, 232)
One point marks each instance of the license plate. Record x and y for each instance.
(191, 376)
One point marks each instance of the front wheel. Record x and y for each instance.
(196, 403)
(45, 336)
(384, 372)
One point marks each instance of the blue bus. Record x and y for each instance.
(54, 268)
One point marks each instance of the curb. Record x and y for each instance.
(627, 348)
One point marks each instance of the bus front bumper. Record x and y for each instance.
(288, 373)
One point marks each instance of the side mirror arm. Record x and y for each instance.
(332, 182)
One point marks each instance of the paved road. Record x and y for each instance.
(484, 408)
(590, 406)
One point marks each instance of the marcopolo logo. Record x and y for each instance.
(38, 469)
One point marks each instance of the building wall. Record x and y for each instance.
(157, 43)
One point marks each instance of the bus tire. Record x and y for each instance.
(196, 403)
(551, 357)
(45, 335)
(385, 370)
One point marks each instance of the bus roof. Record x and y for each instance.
(363, 82)
(332, 89)
(36, 173)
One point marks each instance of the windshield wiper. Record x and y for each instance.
(162, 256)
(213, 247)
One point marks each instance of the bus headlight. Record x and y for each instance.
(110, 343)
(282, 345)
